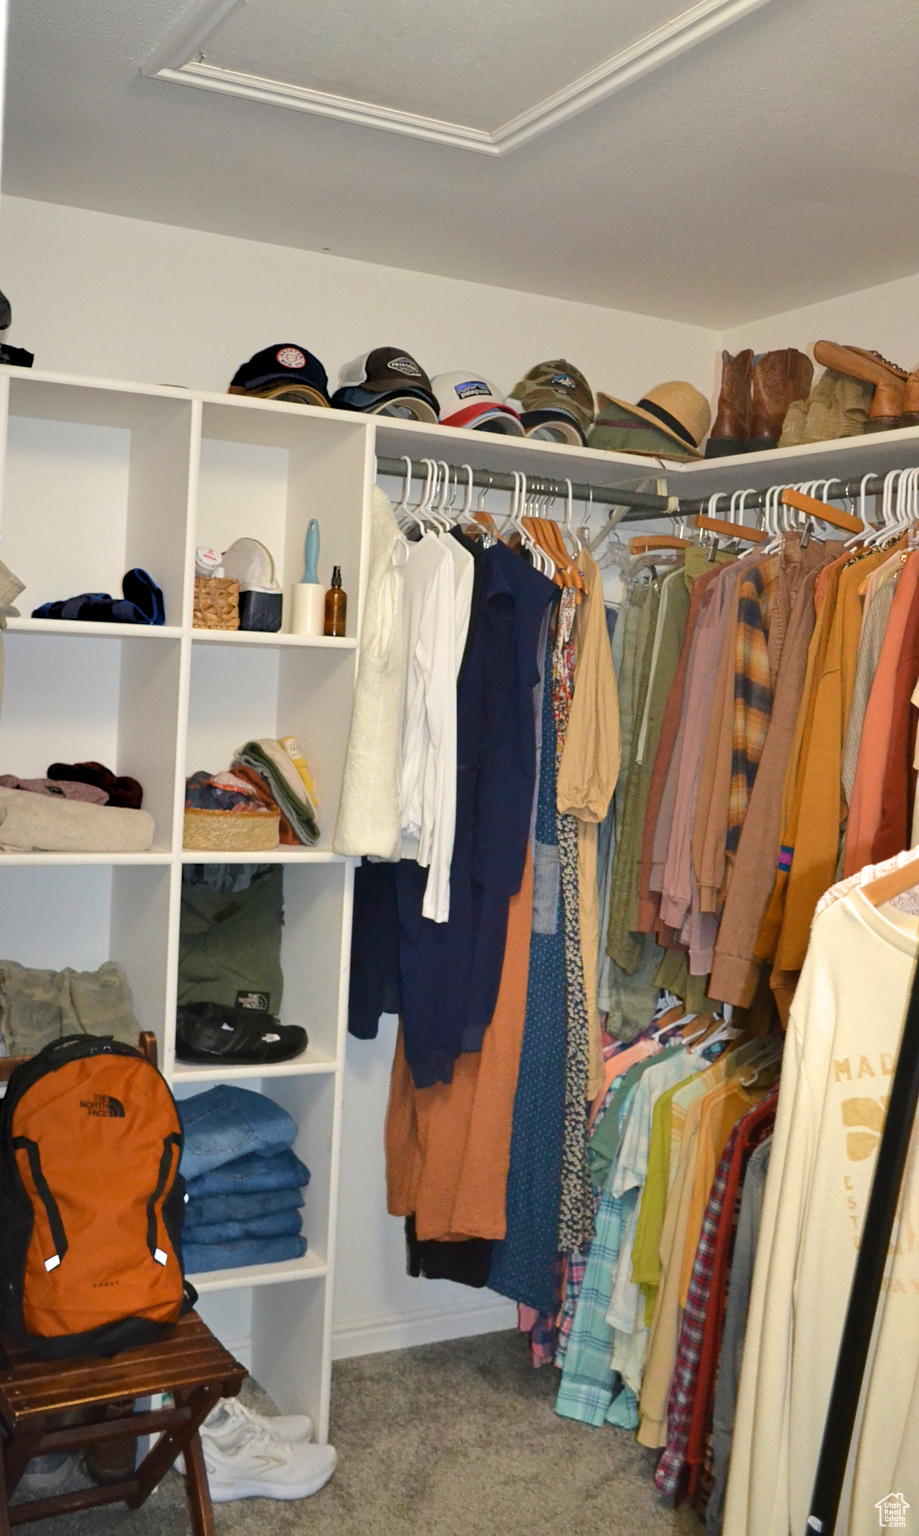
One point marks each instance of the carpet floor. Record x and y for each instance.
(456, 1439)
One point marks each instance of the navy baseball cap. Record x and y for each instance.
(283, 372)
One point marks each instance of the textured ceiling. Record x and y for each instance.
(478, 63)
(772, 166)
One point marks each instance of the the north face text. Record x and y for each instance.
(103, 1106)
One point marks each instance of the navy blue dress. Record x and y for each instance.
(450, 972)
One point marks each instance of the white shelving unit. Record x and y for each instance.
(98, 477)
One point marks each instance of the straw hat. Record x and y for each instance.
(676, 408)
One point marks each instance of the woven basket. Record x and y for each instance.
(216, 602)
(232, 831)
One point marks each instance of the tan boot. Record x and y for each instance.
(731, 431)
(855, 398)
(778, 379)
(886, 408)
(792, 434)
(888, 378)
(909, 416)
(819, 410)
(856, 362)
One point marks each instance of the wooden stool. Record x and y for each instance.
(189, 1363)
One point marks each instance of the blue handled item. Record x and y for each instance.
(311, 574)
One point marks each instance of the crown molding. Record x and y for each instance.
(178, 60)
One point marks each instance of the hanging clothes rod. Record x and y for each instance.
(831, 489)
(640, 503)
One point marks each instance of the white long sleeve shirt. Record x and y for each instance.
(428, 787)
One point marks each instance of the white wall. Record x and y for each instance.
(885, 318)
(119, 298)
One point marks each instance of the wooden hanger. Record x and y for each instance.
(887, 887)
(822, 511)
(647, 541)
(537, 534)
(547, 534)
(726, 530)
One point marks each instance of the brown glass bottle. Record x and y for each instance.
(336, 606)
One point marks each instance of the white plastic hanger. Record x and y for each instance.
(436, 512)
(868, 531)
(569, 530)
(404, 513)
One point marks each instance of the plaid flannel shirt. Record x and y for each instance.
(672, 1460)
(752, 690)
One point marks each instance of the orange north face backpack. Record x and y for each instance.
(91, 1201)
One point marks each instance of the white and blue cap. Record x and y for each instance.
(470, 400)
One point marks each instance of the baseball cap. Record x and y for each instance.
(554, 426)
(554, 394)
(470, 400)
(386, 382)
(283, 372)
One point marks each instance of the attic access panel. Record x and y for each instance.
(487, 75)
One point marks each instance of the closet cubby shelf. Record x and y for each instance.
(284, 855)
(251, 637)
(154, 856)
(291, 1270)
(311, 1062)
(100, 477)
(51, 627)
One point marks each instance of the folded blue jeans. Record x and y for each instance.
(226, 1123)
(202, 1209)
(251, 1175)
(201, 1258)
(274, 1224)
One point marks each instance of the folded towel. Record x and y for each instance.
(37, 822)
(250, 1175)
(274, 1224)
(270, 760)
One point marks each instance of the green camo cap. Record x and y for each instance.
(556, 385)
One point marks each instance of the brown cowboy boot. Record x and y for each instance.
(731, 431)
(909, 416)
(888, 378)
(778, 379)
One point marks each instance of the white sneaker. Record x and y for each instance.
(231, 1415)
(253, 1464)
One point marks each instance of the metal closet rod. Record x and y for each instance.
(829, 488)
(640, 504)
(643, 502)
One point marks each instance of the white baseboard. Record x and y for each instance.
(404, 1330)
